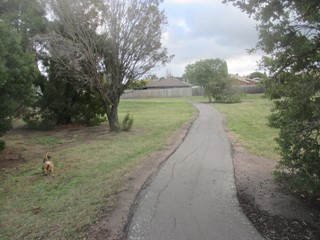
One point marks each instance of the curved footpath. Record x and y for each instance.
(193, 196)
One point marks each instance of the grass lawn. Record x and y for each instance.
(90, 169)
(247, 122)
(89, 172)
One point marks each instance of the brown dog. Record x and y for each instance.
(47, 164)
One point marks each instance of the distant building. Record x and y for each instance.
(166, 83)
(243, 81)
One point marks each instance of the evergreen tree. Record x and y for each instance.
(17, 71)
(19, 22)
(58, 102)
(27, 17)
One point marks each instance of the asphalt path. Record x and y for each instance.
(193, 195)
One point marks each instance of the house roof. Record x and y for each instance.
(168, 83)
(244, 80)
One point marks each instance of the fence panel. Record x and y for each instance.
(158, 93)
(251, 89)
(182, 92)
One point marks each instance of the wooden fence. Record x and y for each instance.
(180, 92)
(251, 89)
(158, 93)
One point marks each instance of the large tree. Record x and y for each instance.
(290, 37)
(212, 75)
(106, 45)
(59, 102)
(19, 22)
(17, 71)
(56, 102)
(27, 17)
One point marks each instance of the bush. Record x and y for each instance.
(230, 95)
(60, 103)
(296, 114)
(127, 122)
(223, 92)
(42, 121)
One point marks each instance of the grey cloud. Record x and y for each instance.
(216, 31)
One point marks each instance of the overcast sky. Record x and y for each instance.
(201, 29)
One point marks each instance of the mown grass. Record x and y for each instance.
(248, 123)
(87, 177)
(49, 140)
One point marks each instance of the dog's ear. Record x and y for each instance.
(46, 157)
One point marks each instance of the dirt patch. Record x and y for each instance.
(23, 144)
(10, 158)
(275, 211)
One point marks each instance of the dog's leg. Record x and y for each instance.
(45, 170)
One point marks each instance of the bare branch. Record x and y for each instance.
(106, 44)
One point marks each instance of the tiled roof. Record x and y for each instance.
(168, 83)
(245, 80)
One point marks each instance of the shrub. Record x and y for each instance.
(60, 103)
(296, 114)
(127, 122)
(230, 95)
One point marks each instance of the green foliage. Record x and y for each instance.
(27, 17)
(212, 75)
(17, 71)
(19, 22)
(258, 75)
(127, 122)
(290, 36)
(138, 84)
(296, 113)
(107, 61)
(59, 102)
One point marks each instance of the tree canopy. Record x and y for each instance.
(27, 17)
(90, 50)
(116, 43)
(19, 22)
(290, 37)
(212, 75)
(17, 71)
(259, 75)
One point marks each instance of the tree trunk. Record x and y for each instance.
(113, 118)
(111, 110)
(207, 92)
